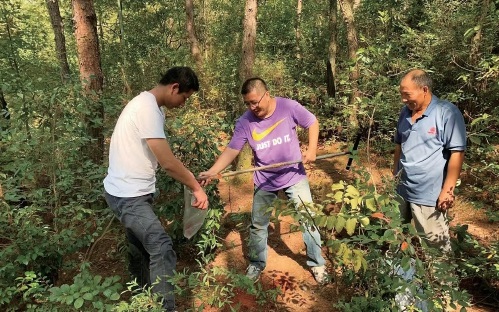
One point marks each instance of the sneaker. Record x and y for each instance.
(253, 272)
(320, 275)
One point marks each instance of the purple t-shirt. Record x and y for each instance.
(274, 140)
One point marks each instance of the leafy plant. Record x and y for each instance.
(384, 261)
(87, 291)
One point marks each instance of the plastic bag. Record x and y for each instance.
(193, 217)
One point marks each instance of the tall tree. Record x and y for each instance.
(60, 40)
(333, 47)
(4, 113)
(245, 72)
(248, 44)
(191, 33)
(347, 8)
(299, 6)
(476, 42)
(128, 89)
(91, 76)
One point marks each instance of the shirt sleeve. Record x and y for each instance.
(150, 122)
(239, 137)
(302, 116)
(454, 130)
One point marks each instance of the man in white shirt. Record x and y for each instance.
(138, 144)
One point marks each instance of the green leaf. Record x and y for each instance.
(350, 226)
(78, 303)
(357, 264)
(115, 296)
(338, 197)
(88, 296)
(97, 279)
(354, 202)
(337, 186)
(340, 224)
(69, 299)
(475, 140)
(370, 204)
(331, 220)
(321, 221)
(352, 191)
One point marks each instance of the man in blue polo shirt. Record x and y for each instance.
(429, 154)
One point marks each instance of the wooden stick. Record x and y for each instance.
(232, 173)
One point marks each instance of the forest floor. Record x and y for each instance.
(286, 266)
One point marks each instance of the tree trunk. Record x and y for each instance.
(60, 40)
(13, 50)
(191, 33)
(5, 110)
(248, 45)
(246, 71)
(87, 44)
(298, 28)
(128, 89)
(476, 44)
(347, 10)
(333, 47)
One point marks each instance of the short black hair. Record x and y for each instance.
(184, 76)
(252, 84)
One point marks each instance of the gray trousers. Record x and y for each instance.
(429, 221)
(152, 258)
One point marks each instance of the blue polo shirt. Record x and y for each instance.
(426, 145)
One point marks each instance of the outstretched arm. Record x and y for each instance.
(313, 138)
(227, 156)
(174, 168)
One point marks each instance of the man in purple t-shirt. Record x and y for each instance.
(269, 127)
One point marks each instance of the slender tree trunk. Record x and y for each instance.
(347, 9)
(60, 40)
(248, 45)
(476, 44)
(13, 50)
(13, 56)
(128, 89)
(298, 28)
(333, 47)
(245, 72)
(87, 44)
(5, 110)
(191, 33)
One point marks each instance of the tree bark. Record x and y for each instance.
(476, 46)
(246, 71)
(191, 33)
(248, 44)
(60, 40)
(5, 110)
(128, 89)
(347, 8)
(13, 50)
(333, 47)
(87, 44)
(299, 6)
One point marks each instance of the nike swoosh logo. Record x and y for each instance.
(260, 136)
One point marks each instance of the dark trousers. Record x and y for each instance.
(152, 258)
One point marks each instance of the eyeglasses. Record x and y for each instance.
(249, 104)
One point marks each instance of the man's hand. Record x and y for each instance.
(445, 200)
(206, 177)
(308, 156)
(201, 199)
